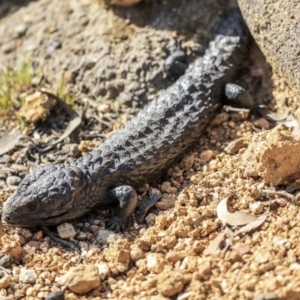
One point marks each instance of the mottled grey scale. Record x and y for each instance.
(139, 152)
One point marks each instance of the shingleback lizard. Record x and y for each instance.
(139, 152)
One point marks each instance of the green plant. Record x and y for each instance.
(64, 92)
(14, 83)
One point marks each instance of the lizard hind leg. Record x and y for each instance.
(127, 197)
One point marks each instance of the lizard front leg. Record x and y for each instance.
(127, 198)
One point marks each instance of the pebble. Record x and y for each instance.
(5, 281)
(5, 159)
(257, 207)
(136, 253)
(6, 261)
(167, 188)
(54, 45)
(155, 262)
(3, 174)
(165, 202)
(13, 181)
(262, 123)
(104, 108)
(107, 237)
(206, 156)
(89, 62)
(104, 270)
(234, 146)
(81, 279)
(66, 231)
(27, 276)
(170, 283)
(267, 296)
(20, 30)
(55, 296)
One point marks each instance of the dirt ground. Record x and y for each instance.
(226, 226)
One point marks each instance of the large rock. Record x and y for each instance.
(275, 26)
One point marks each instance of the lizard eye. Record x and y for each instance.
(31, 206)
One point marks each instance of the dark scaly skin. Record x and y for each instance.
(139, 152)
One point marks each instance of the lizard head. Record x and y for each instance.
(44, 197)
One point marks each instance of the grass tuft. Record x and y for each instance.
(13, 84)
(64, 93)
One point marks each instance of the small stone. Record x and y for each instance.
(234, 146)
(257, 207)
(187, 162)
(150, 219)
(10, 244)
(66, 231)
(165, 202)
(13, 181)
(82, 236)
(89, 63)
(26, 233)
(55, 296)
(32, 247)
(6, 261)
(87, 146)
(37, 106)
(153, 192)
(267, 296)
(136, 253)
(30, 292)
(81, 279)
(27, 276)
(73, 150)
(219, 119)
(53, 45)
(38, 235)
(263, 257)
(167, 188)
(262, 123)
(5, 159)
(3, 174)
(123, 256)
(106, 237)
(104, 108)
(20, 31)
(170, 283)
(104, 270)
(4, 282)
(206, 156)
(155, 262)
(243, 249)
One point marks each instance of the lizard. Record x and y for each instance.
(141, 150)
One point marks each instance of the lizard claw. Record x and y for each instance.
(115, 224)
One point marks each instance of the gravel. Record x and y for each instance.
(112, 61)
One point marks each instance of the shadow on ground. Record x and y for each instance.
(10, 6)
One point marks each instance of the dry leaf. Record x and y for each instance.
(218, 241)
(8, 142)
(237, 218)
(279, 116)
(253, 225)
(146, 206)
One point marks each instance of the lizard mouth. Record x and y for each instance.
(56, 216)
(34, 220)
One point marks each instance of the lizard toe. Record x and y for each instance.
(115, 224)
